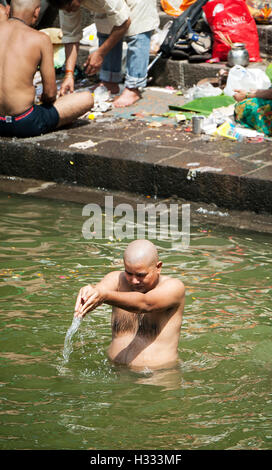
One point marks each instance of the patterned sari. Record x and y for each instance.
(255, 113)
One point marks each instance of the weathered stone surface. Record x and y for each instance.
(160, 162)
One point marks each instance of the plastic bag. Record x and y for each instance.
(176, 7)
(202, 91)
(261, 11)
(158, 37)
(59, 55)
(233, 19)
(240, 78)
(89, 36)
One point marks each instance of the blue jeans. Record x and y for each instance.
(136, 64)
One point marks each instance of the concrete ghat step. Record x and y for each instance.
(130, 156)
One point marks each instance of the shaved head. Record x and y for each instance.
(141, 251)
(19, 5)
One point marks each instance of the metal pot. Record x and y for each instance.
(238, 55)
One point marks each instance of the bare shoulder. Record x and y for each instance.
(172, 284)
(111, 280)
(114, 275)
(43, 38)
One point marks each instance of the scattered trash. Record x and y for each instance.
(154, 124)
(209, 126)
(230, 131)
(170, 90)
(83, 145)
(200, 210)
(102, 99)
(192, 173)
(197, 122)
(180, 118)
(201, 91)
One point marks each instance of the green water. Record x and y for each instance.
(218, 396)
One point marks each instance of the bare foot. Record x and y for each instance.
(127, 98)
(111, 86)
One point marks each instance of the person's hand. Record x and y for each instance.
(87, 300)
(84, 294)
(67, 86)
(240, 95)
(93, 63)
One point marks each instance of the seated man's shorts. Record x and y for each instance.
(37, 120)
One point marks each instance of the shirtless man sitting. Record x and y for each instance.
(147, 309)
(22, 50)
(4, 10)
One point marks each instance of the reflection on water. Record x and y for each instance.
(218, 396)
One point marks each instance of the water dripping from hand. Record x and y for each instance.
(68, 344)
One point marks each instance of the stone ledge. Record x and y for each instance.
(161, 163)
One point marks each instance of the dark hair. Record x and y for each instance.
(59, 3)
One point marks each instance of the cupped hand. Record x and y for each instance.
(87, 300)
(67, 86)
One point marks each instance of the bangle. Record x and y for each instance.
(69, 72)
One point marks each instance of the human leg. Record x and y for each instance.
(71, 106)
(137, 63)
(110, 73)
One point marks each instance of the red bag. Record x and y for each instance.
(233, 19)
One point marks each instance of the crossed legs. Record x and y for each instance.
(71, 106)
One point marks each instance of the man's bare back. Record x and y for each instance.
(21, 51)
(147, 310)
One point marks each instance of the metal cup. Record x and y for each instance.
(197, 124)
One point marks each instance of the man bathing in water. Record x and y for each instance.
(22, 50)
(147, 309)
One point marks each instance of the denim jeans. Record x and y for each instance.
(136, 63)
